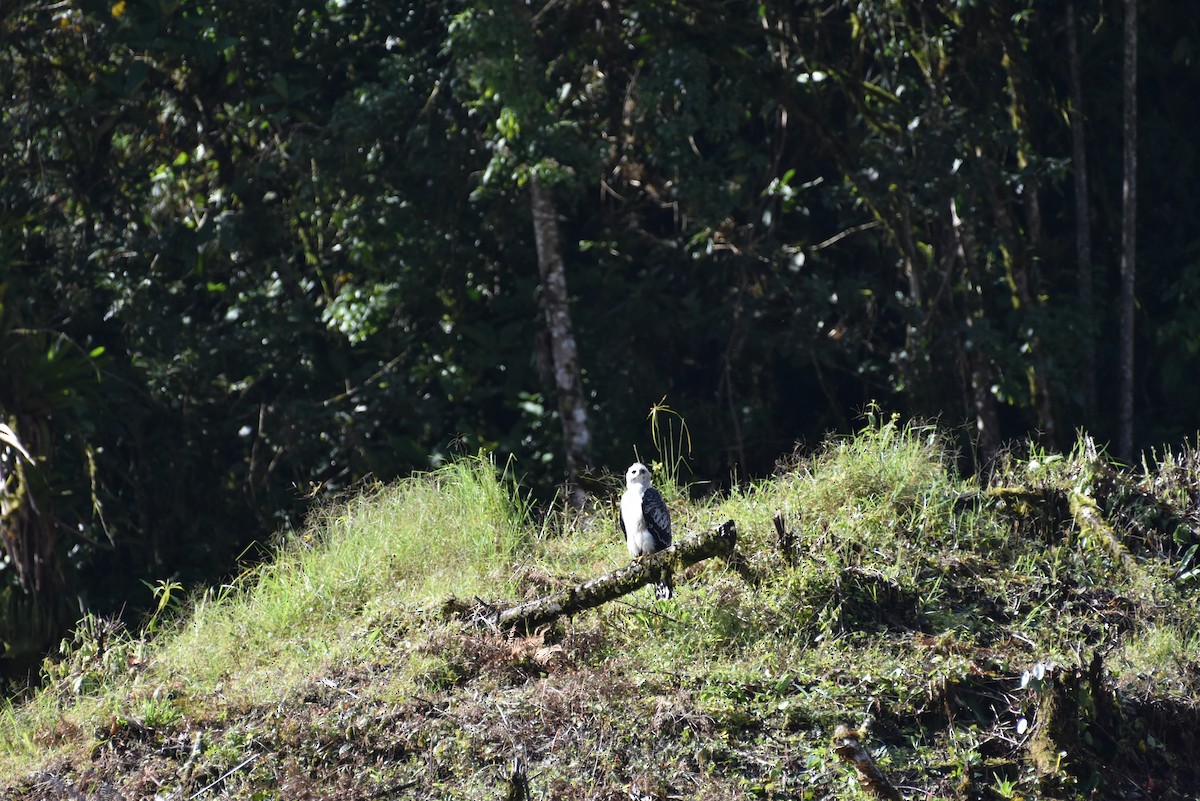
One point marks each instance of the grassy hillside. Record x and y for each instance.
(1035, 638)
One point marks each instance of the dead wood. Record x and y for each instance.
(1053, 506)
(1075, 711)
(786, 539)
(847, 744)
(1137, 513)
(720, 541)
(518, 781)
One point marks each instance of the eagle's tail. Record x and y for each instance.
(663, 588)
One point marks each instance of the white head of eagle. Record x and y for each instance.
(645, 520)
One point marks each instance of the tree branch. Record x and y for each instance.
(720, 541)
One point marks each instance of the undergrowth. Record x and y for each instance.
(988, 641)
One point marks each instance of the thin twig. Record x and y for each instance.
(838, 237)
(225, 776)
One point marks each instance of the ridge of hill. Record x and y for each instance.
(1032, 638)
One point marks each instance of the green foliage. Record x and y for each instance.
(250, 259)
(673, 442)
(99, 653)
(167, 594)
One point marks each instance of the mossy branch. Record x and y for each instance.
(1103, 503)
(720, 541)
(1091, 522)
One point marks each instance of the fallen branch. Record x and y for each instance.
(1105, 504)
(1090, 521)
(847, 744)
(720, 541)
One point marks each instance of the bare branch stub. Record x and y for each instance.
(518, 780)
(847, 744)
(786, 539)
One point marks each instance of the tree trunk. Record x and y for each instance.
(568, 385)
(1083, 220)
(916, 334)
(1025, 297)
(987, 424)
(1128, 237)
(1023, 249)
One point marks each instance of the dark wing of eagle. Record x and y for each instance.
(658, 521)
(658, 517)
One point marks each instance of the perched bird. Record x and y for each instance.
(646, 521)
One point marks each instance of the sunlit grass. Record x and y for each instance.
(389, 551)
(454, 532)
(1157, 657)
(903, 587)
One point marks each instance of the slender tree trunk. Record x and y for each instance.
(1024, 248)
(916, 331)
(987, 425)
(1083, 220)
(726, 384)
(577, 438)
(1128, 236)
(1019, 269)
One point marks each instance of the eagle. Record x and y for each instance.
(646, 521)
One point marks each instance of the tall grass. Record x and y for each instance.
(376, 556)
(861, 493)
(452, 532)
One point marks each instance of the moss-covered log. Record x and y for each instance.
(1091, 523)
(1076, 725)
(720, 541)
(1111, 507)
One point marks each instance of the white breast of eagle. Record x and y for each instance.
(644, 514)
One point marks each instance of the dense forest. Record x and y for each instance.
(252, 255)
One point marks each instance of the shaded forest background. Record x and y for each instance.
(253, 254)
